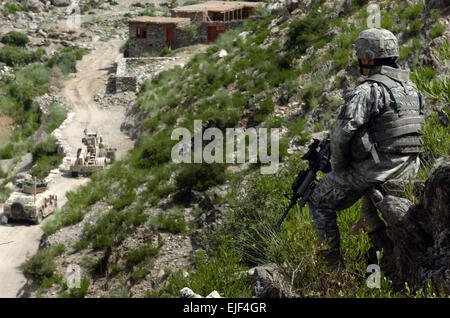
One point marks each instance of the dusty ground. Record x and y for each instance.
(5, 128)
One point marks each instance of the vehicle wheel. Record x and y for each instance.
(38, 218)
(75, 174)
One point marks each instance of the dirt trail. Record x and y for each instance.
(18, 240)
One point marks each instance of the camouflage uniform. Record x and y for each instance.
(375, 139)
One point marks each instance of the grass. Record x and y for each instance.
(222, 272)
(173, 222)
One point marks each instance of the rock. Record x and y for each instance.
(221, 53)
(267, 282)
(35, 6)
(138, 5)
(213, 294)
(416, 243)
(61, 3)
(188, 293)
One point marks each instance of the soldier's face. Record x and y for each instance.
(366, 70)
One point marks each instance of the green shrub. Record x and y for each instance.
(298, 128)
(7, 152)
(82, 291)
(266, 107)
(41, 265)
(415, 26)
(44, 165)
(47, 147)
(200, 177)
(11, 8)
(173, 222)
(436, 139)
(66, 62)
(437, 30)
(435, 14)
(191, 33)
(15, 38)
(54, 118)
(307, 31)
(16, 56)
(141, 253)
(413, 11)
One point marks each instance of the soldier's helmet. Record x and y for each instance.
(376, 43)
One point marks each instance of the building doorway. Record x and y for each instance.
(214, 32)
(170, 35)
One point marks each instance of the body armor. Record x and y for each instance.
(396, 129)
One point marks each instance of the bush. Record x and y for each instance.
(141, 253)
(15, 38)
(191, 33)
(437, 30)
(44, 165)
(7, 152)
(415, 26)
(44, 148)
(10, 8)
(41, 265)
(16, 56)
(200, 177)
(66, 62)
(413, 11)
(173, 222)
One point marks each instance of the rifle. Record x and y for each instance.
(318, 156)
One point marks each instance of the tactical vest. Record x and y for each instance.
(396, 129)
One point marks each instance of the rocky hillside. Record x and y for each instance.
(147, 227)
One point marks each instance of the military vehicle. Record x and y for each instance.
(92, 157)
(33, 202)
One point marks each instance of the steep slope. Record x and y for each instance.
(148, 227)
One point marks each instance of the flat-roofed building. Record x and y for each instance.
(152, 34)
(210, 19)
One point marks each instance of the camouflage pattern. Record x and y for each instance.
(351, 178)
(376, 43)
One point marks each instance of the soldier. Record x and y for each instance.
(375, 139)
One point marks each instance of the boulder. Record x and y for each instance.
(416, 242)
(268, 283)
(35, 6)
(61, 3)
(188, 293)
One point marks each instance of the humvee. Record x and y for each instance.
(33, 202)
(92, 157)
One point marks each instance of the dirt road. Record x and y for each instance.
(18, 240)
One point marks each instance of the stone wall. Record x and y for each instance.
(129, 70)
(156, 38)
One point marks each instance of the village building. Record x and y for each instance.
(211, 18)
(152, 34)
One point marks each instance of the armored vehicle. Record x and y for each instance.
(92, 157)
(33, 202)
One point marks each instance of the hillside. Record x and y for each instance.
(147, 227)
